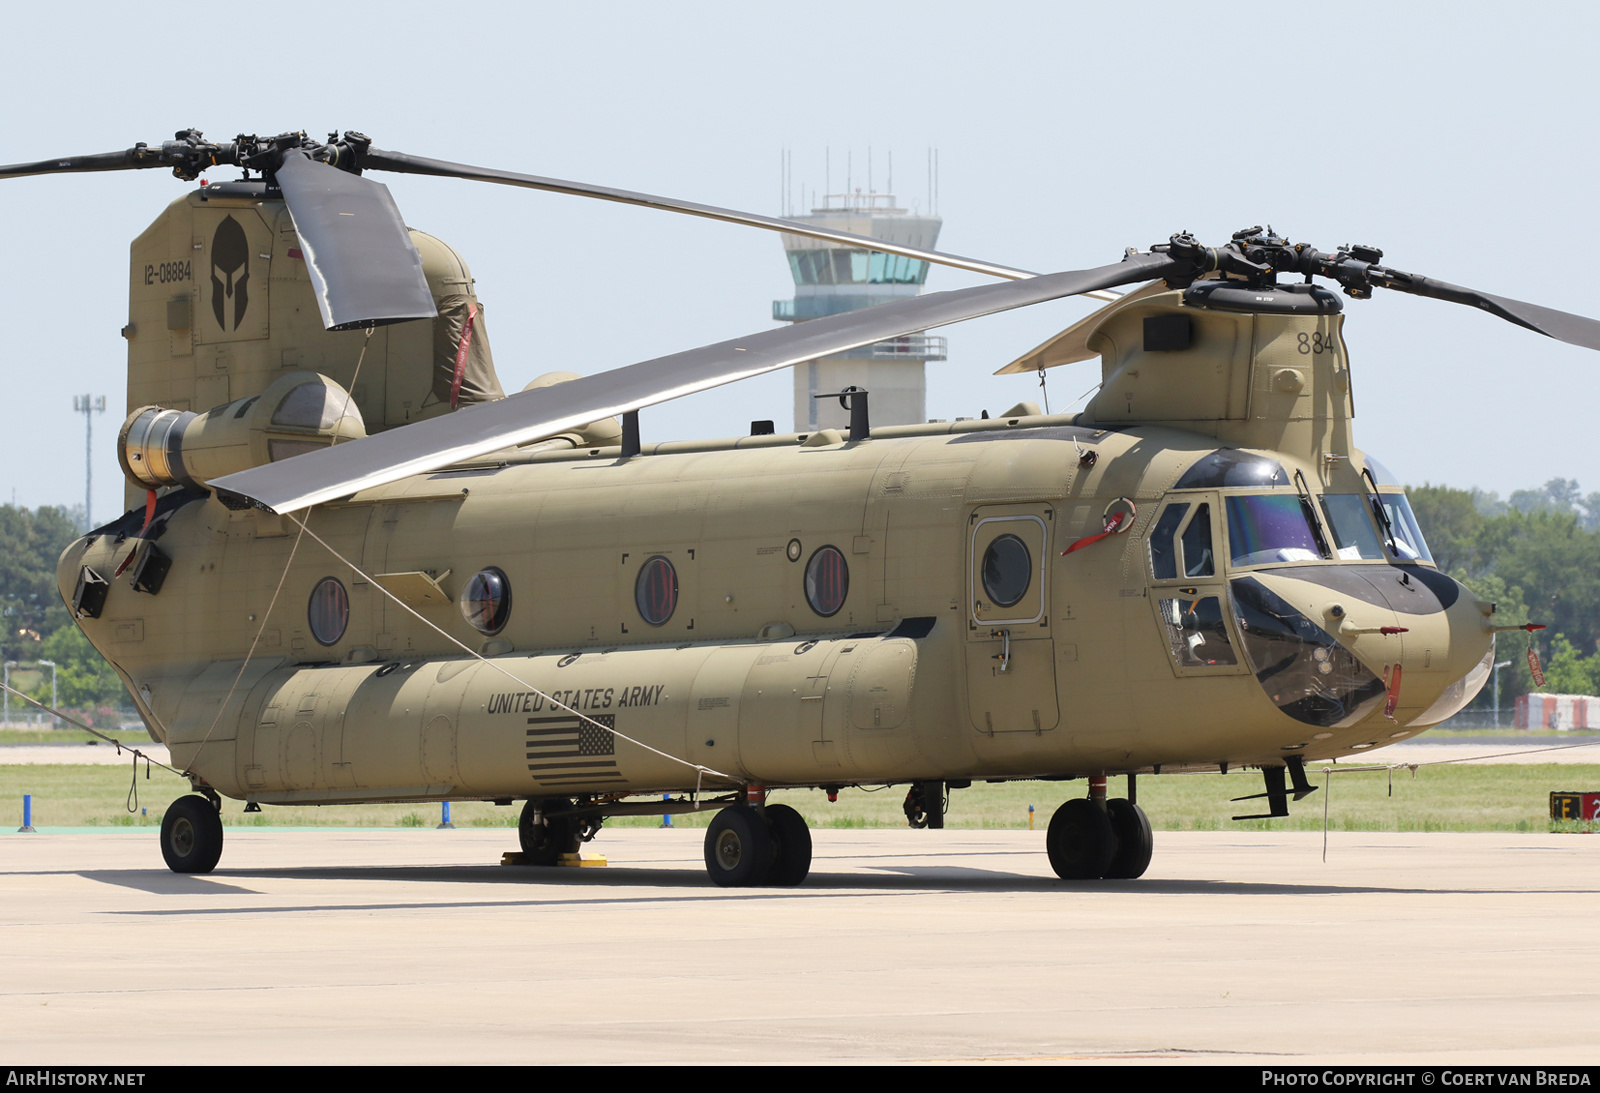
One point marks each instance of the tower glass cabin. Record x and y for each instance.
(830, 279)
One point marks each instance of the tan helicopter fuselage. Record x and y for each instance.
(1087, 682)
(920, 674)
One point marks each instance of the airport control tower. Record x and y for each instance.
(829, 279)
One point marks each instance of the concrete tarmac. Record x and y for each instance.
(350, 946)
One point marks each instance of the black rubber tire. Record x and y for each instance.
(1080, 841)
(191, 835)
(740, 848)
(792, 838)
(1134, 841)
(545, 843)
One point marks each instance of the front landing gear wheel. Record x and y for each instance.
(1080, 841)
(191, 835)
(740, 849)
(793, 838)
(544, 842)
(1134, 841)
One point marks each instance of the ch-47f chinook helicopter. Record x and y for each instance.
(361, 573)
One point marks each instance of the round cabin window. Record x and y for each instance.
(827, 581)
(486, 601)
(329, 611)
(656, 591)
(1007, 570)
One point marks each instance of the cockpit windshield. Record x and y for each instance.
(1277, 527)
(1350, 519)
(1266, 528)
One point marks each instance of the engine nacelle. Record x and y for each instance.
(298, 413)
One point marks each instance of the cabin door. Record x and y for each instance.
(1011, 676)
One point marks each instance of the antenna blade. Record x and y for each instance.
(363, 267)
(376, 159)
(438, 442)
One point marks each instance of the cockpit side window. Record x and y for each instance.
(1163, 543)
(1197, 554)
(1379, 473)
(1408, 542)
(1269, 528)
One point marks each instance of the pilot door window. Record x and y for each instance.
(1196, 632)
(1181, 544)
(1183, 548)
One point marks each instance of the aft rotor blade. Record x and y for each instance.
(379, 160)
(438, 442)
(1563, 326)
(364, 269)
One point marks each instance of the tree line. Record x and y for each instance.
(1537, 557)
(38, 625)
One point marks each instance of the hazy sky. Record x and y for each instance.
(1458, 137)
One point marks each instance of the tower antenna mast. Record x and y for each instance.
(88, 406)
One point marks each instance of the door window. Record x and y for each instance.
(1006, 579)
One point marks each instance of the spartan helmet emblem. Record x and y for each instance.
(230, 272)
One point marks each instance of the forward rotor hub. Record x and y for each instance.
(1258, 256)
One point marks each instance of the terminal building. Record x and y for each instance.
(829, 279)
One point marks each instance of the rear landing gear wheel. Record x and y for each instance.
(1080, 841)
(792, 837)
(191, 835)
(1134, 841)
(544, 842)
(740, 848)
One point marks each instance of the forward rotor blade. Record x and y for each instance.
(363, 267)
(379, 160)
(131, 159)
(1563, 326)
(438, 442)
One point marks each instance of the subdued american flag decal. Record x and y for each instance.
(571, 750)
